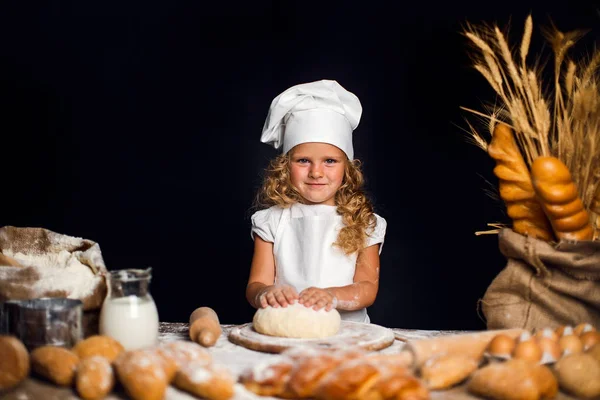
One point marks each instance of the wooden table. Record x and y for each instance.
(236, 358)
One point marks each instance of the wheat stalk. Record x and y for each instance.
(567, 127)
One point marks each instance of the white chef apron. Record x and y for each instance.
(304, 255)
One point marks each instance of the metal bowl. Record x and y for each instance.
(43, 321)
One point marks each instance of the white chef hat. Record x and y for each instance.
(321, 111)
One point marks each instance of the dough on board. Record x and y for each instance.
(297, 321)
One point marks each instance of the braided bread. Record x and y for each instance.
(560, 200)
(325, 374)
(516, 187)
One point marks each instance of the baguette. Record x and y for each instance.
(470, 345)
(559, 199)
(515, 186)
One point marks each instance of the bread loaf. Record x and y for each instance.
(334, 374)
(351, 380)
(396, 382)
(579, 374)
(144, 373)
(183, 352)
(513, 380)
(14, 362)
(268, 378)
(560, 200)
(94, 378)
(515, 186)
(98, 345)
(207, 381)
(56, 364)
(444, 371)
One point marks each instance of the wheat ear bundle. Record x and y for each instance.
(558, 121)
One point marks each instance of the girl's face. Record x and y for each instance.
(317, 171)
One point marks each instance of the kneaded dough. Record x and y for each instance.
(296, 321)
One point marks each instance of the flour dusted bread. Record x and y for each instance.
(332, 374)
(445, 371)
(207, 381)
(14, 362)
(94, 378)
(183, 352)
(56, 364)
(145, 374)
(98, 345)
(268, 378)
(297, 321)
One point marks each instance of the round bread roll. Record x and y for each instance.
(98, 345)
(14, 362)
(54, 363)
(297, 321)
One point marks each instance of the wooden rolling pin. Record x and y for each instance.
(466, 344)
(204, 326)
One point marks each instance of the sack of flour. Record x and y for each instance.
(544, 285)
(36, 262)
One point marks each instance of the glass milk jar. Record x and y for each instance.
(129, 313)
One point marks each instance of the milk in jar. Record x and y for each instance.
(129, 314)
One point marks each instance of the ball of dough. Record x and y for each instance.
(296, 321)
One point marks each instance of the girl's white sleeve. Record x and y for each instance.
(263, 226)
(378, 234)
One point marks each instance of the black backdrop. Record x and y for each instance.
(137, 125)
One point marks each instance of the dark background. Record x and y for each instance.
(137, 125)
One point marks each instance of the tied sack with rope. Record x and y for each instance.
(544, 284)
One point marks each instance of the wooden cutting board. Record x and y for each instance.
(369, 337)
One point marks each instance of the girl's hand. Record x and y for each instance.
(277, 296)
(317, 298)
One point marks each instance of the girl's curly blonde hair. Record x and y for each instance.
(352, 203)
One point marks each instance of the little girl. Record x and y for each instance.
(316, 240)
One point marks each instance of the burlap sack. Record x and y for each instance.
(36, 262)
(544, 285)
